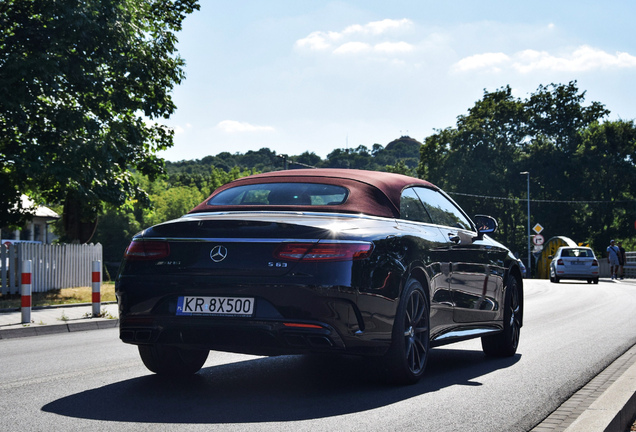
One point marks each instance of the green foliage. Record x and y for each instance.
(401, 168)
(78, 81)
(582, 173)
(261, 160)
(308, 158)
(114, 231)
(405, 150)
(169, 197)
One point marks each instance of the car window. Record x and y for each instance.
(411, 207)
(308, 194)
(580, 253)
(442, 210)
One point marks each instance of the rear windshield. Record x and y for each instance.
(580, 253)
(305, 194)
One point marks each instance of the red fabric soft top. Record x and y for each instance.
(370, 192)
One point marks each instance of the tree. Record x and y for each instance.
(358, 158)
(81, 83)
(480, 157)
(173, 203)
(404, 150)
(607, 153)
(307, 158)
(558, 121)
(582, 170)
(400, 167)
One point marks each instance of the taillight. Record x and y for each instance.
(560, 262)
(301, 325)
(594, 263)
(147, 250)
(323, 251)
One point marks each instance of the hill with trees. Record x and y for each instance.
(405, 150)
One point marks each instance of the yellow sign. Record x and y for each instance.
(538, 228)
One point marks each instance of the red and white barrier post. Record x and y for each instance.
(25, 292)
(97, 282)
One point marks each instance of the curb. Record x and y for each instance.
(607, 403)
(58, 306)
(28, 331)
(613, 410)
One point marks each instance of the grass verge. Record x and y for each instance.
(60, 296)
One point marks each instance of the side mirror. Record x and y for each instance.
(485, 225)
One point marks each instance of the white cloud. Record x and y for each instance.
(491, 61)
(359, 38)
(233, 126)
(378, 27)
(178, 130)
(582, 59)
(352, 48)
(318, 41)
(393, 47)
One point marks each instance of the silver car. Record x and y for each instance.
(574, 263)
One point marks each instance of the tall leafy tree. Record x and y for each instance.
(578, 165)
(480, 157)
(558, 120)
(80, 85)
(608, 153)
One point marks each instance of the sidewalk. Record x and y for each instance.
(57, 319)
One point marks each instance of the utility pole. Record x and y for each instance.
(529, 271)
(285, 165)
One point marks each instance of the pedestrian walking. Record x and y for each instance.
(622, 260)
(612, 258)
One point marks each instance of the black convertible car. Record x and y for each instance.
(319, 261)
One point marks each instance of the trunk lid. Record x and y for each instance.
(242, 244)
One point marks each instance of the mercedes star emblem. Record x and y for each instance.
(218, 253)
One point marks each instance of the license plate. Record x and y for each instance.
(216, 306)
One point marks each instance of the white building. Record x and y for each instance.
(36, 229)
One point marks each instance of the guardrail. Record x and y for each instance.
(630, 265)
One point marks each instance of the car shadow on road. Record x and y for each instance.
(271, 389)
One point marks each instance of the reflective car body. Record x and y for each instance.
(574, 263)
(330, 261)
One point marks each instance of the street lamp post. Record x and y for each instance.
(529, 272)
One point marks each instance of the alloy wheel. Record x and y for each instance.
(416, 332)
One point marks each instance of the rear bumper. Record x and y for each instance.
(579, 276)
(287, 319)
(576, 273)
(258, 337)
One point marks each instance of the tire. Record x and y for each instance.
(596, 280)
(407, 357)
(172, 361)
(505, 344)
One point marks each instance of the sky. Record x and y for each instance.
(312, 75)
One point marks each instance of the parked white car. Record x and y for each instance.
(574, 263)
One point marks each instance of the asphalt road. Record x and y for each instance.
(90, 380)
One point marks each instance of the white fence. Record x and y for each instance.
(53, 266)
